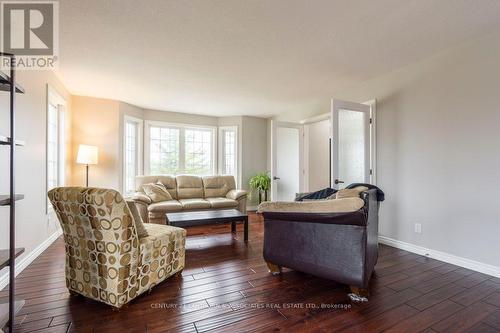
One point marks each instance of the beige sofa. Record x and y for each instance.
(189, 193)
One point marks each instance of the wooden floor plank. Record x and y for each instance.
(226, 287)
(427, 318)
(466, 318)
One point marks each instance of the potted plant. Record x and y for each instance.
(261, 183)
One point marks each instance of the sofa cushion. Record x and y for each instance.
(189, 187)
(165, 206)
(156, 192)
(195, 203)
(222, 202)
(318, 206)
(218, 186)
(350, 193)
(168, 181)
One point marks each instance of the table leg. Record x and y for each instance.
(246, 229)
(233, 227)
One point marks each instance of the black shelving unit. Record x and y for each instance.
(8, 256)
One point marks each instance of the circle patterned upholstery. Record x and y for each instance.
(105, 259)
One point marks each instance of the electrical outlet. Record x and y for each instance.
(418, 228)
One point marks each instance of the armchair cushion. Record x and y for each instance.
(321, 206)
(139, 225)
(161, 254)
(236, 194)
(157, 192)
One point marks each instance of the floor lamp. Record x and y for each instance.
(87, 155)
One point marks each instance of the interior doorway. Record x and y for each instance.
(353, 143)
(329, 150)
(287, 157)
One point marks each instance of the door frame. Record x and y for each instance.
(274, 125)
(370, 133)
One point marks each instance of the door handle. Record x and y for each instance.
(276, 178)
(339, 181)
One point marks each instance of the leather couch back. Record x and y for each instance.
(218, 186)
(189, 187)
(169, 181)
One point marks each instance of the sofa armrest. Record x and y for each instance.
(141, 197)
(236, 194)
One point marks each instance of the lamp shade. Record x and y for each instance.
(87, 154)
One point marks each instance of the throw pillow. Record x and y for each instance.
(350, 193)
(139, 226)
(156, 192)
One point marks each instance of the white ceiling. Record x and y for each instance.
(252, 57)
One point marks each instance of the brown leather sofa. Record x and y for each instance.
(189, 193)
(333, 239)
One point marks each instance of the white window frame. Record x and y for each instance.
(140, 152)
(182, 128)
(222, 151)
(56, 99)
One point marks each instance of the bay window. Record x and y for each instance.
(179, 149)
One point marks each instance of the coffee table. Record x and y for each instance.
(188, 219)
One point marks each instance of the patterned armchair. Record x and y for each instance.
(105, 258)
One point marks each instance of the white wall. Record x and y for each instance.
(33, 226)
(438, 155)
(317, 155)
(96, 122)
(254, 150)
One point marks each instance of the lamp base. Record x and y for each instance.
(86, 175)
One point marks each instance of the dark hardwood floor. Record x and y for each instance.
(225, 287)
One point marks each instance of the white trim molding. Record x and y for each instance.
(442, 256)
(221, 151)
(29, 258)
(140, 151)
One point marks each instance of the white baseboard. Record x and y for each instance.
(442, 256)
(252, 208)
(28, 259)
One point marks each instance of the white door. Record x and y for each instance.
(286, 160)
(351, 143)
